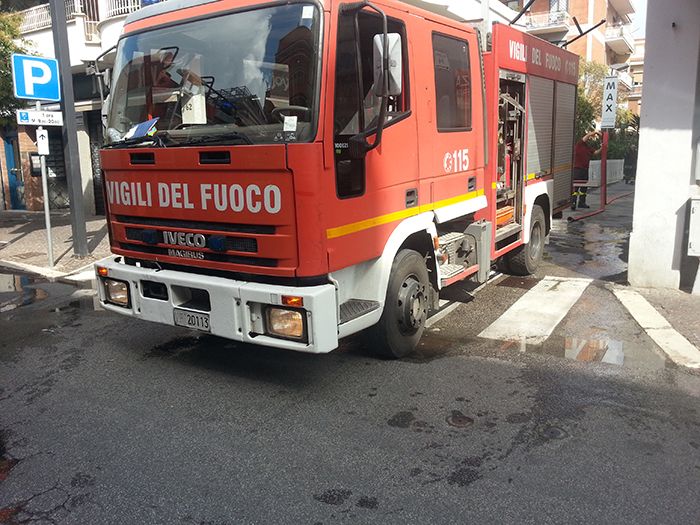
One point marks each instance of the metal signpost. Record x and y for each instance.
(70, 130)
(36, 78)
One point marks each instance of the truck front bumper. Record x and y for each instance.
(235, 309)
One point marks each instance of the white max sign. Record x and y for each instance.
(609, 102)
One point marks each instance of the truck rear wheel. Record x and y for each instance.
(526, 259)
(406, 307)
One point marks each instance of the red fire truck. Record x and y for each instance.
(288, 173)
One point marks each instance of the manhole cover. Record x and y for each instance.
(459, 420)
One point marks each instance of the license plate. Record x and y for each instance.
(192, 320)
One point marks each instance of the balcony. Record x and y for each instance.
(636, 92)
(623, 7)
(619, 39)
(548, 23)
(93, 26)
(625, 79)
(39, 17)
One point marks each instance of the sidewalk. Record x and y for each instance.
(23, 244)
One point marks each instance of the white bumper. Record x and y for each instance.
(235, 306)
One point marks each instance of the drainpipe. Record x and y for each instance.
(486, 23)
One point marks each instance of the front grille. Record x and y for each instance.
(186, 253)
(218, 243)
(262, 229)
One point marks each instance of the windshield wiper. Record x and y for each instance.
(219, 138)
(157, 139)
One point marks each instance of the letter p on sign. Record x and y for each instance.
(35, 78)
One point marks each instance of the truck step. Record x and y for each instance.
(449, 238)
(354, 308)
(447, 271)
(507, 231)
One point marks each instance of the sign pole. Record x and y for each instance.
(604, 171)
(45, 190)
(70, 129)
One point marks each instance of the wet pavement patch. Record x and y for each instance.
(333, 496)
(172, 347)
(458, 419)
(6, 462)
(401, 419)
(463, 476)
(551, 432)
(524, 283)
(518, 418)
(367, 503)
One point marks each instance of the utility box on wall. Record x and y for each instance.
(694, 228)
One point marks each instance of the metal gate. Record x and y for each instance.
(539, 126)
(565, 103)
(56, 171)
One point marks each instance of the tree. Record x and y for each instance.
(590, 96)
(9, 35)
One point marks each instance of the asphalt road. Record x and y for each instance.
(104, 420)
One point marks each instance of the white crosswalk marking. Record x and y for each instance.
(678, 348)
(534, 316)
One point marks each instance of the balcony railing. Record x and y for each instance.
(39, 17)
(619, 38)
(553, 19)
(122, 7)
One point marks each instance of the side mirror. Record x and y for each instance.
(394, 70)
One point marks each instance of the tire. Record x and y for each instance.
(526, 259)
(405, 309)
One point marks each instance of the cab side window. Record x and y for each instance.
(453, 87)
(356, 107)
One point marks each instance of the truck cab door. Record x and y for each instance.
(383, 181)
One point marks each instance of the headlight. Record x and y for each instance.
(285, 322)
(116, 292)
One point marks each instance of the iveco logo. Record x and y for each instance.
(196, 240)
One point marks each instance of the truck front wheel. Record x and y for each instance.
(526, 259)
(406, 307)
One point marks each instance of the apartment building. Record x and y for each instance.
(611, 43)
(637, 73)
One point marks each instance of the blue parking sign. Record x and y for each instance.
(35, 78)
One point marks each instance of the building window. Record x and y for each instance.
(452, 83)
(558, 5)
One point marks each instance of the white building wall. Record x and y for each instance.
(41, 43)
(669, 137)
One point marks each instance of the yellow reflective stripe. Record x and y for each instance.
(354, 227)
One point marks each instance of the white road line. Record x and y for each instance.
(534, 316)
(674, 345)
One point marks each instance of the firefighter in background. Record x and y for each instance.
(583, 151)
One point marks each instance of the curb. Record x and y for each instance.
(83, 274)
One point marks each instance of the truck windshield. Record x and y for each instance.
(241, 78)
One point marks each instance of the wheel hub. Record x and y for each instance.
(412, 305)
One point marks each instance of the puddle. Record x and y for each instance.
(592, 249)
(20, 290)
(602, 350)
